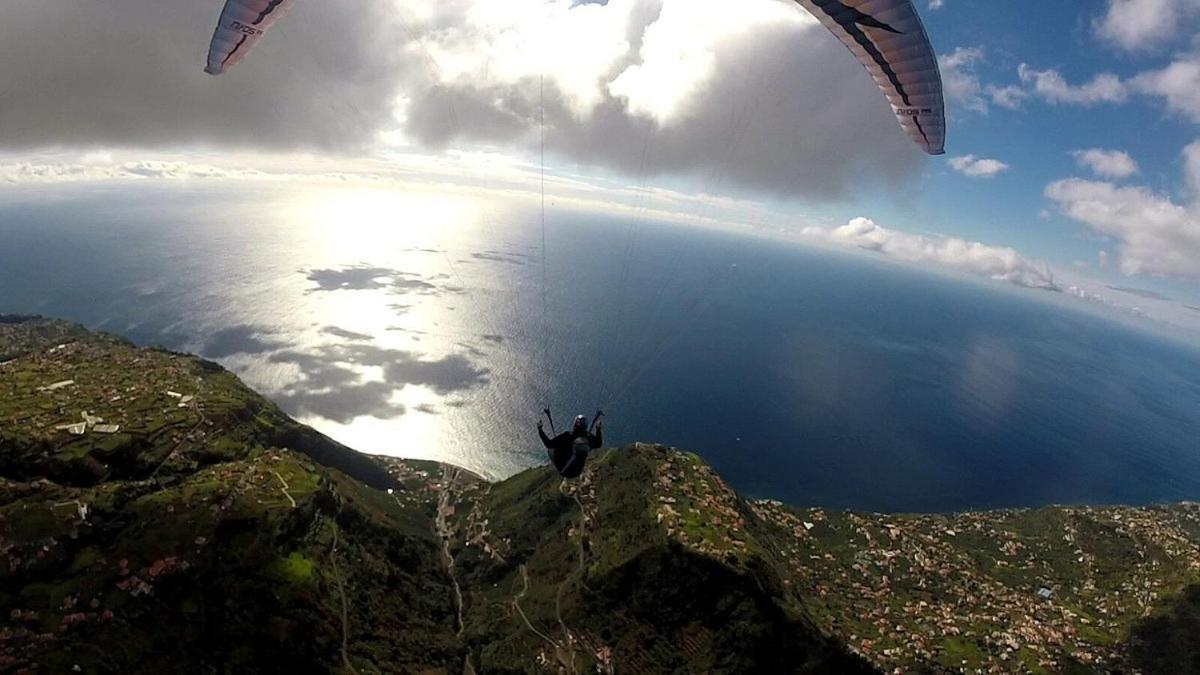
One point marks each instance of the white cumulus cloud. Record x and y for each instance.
(1191, 169)
(994, 262)
(960, 80)
(965, 89)
(1107, 163)
(51, 172)
(1051, 86)
(1178, 84)
(1155, 234)
(978, 167)
(1145, 25)
(1010, 96)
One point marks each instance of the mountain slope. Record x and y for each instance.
(188, 537)
(597, 583)
(157, 515)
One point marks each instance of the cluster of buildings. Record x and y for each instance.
(98, 386)
(697, 508)
(985, 592)
(996, 591)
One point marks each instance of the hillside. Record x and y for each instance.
(156, 515)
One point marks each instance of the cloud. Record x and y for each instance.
(1138, 306)
(491, 178)
(1052, 87)
(993, 262)
(1106, 163)
(1155, 235)
(129, 73)
(755, 94)
(1147, 224)
(1191, 169)
(1178, 83)
(1145, 25)
(1009, 96)
(963, 87)
(977, 167)
(960, 80)
(936, 4)
(52, 171)
(1144, 293)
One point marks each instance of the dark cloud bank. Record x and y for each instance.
(788, 111)
(130, 73)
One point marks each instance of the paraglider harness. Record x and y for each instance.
(568, 451)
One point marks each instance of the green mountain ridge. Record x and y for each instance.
(208, 531)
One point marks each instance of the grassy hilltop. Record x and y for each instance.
(158, 516)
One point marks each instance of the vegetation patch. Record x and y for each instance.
(296, 568)
(209, 531)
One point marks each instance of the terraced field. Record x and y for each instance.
(156, 516)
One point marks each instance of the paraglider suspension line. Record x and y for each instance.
(542, 167)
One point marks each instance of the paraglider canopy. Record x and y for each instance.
(889, 40)
(242, 25)
(887, 36)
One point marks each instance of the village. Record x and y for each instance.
(985, 592)
(92, 401)
(94, 424)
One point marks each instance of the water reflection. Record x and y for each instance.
(240, 339)
(366, 278)
(409, 324)
(502, 257)
(346, 334)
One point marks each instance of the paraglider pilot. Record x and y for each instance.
(569, 450)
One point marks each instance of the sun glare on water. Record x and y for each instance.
(386, 218)
(381, 287)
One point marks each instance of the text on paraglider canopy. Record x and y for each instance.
(243, 28)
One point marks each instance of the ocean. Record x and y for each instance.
(430, 326)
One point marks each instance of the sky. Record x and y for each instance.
(1073, 148)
